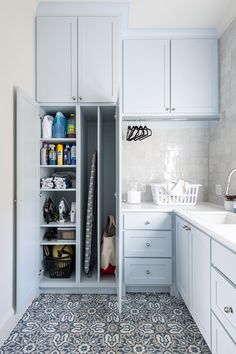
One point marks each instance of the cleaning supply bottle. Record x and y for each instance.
(59, 126)
(52, 155)
(47, 126)
(44, 155)
(59, 154)
(67, 155)
(71, 130)
(73, 154)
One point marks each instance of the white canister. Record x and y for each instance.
(133, 197)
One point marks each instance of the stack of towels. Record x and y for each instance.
(62, 182)
(47, 183)
(56, 182)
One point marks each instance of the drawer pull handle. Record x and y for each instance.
(148, 272)
(148, 244)
(147, 222)
(228, 309)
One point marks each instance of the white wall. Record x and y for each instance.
(17, 43)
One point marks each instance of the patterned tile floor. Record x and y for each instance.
(89, 324)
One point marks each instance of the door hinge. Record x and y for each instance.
(40, 273)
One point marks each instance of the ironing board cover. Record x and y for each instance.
(90, 236)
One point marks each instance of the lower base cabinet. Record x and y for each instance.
(147, 271)
(193, 264)
(221, 341)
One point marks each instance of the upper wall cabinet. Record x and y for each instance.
(77, 59)
(57, 59)
(194, 76)
(146, 76)
(97, 59)
(170, 78)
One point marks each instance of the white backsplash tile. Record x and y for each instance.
(168, 154)
(222, 135)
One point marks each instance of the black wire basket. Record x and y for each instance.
(58, 267)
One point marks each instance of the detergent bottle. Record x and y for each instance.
(47, 126)
(73, 155)
(59, 126)
(44, 155)
(67, 155)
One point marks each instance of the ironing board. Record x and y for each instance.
(91, 222)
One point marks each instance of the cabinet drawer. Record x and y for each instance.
(224, 260)
(146, 271)
(147, 221)
(221, 341)
(224, 301)
(148, 244)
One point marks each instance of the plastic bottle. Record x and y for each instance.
(59, 126)
(59, 154)
(52, 155)
(44, 155)
(73, 154)
(47, 126)
(71, 130)
(67, 155)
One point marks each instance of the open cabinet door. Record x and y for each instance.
(119, 237)
(27, 199)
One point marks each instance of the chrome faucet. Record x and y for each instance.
(228, 181)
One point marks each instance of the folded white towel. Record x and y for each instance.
(176, 188)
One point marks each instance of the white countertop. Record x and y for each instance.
(223, 233)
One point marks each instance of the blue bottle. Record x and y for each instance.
(59, 126)
(67, 155)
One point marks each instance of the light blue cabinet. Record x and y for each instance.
(77, 59)
(170, 78)
(56, 59)
(193, 278)
(182, 260)
(146, 76)
(194, 77)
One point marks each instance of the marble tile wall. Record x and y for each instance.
(175, 150)
(222, 135)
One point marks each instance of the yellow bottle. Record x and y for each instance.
(59, 154)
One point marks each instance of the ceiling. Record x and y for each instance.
(177, 13)
(181, 13)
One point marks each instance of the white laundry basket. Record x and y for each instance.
(161, 197)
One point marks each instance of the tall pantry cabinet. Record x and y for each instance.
(77, 72)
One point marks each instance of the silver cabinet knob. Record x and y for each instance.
(167, 109)
(147, 222)
(80, 98)
(228, 309)
(185, 227)
(148, 272)
(173, 109)
(73, 98)
(148, 244)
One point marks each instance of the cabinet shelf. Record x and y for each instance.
(58, 224)
(47, 282)
(58, 140)
(57, 242)
(58, 166)
(57, 190)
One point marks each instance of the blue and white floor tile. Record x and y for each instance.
(89, 324)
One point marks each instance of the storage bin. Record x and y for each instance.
(161, 197)
(58, 268)
(66, 234)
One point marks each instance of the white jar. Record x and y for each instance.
(133, 197)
